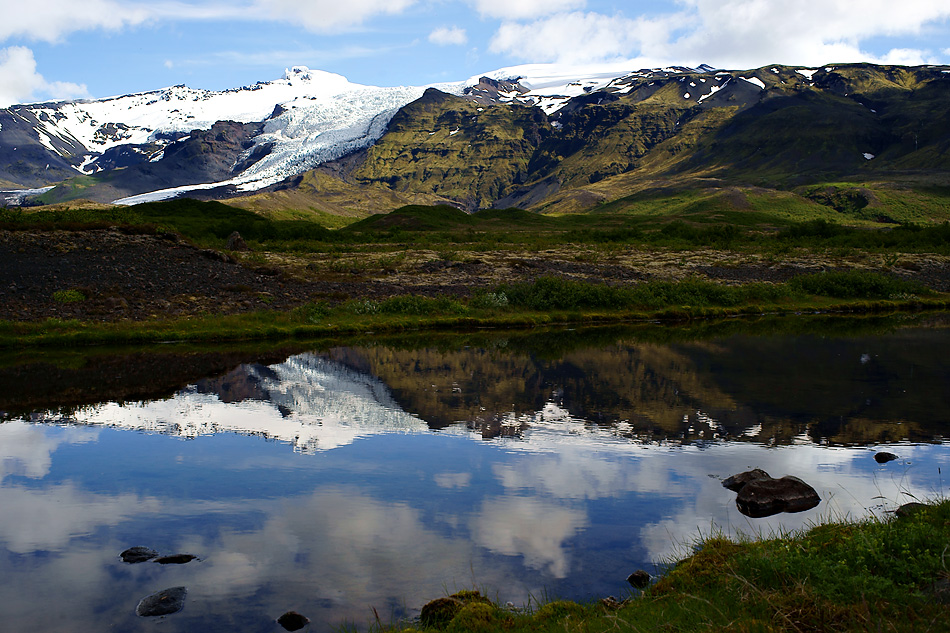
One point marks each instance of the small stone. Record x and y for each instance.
(884, 457)
(639, 579)
(138, 554)
(164, 602)
(175, 559)
(293, 621)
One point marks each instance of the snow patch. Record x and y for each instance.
(868, 156)
(807, 73)
(755, 81)
(686, 96)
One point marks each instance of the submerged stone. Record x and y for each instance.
(175, 559)
(293, 621)
(138, 554)
(164, 602)
(765, 497)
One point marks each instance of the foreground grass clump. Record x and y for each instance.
(873, 575)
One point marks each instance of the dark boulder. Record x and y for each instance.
(736, 482)
(138, 554)
(293, 621)
(909, 509)
(884, 457)
(164, 602)
(765, 497)
(639, 579)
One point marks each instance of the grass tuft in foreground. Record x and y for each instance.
(873, 575)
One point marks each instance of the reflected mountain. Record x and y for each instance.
(775, 390)
(307, 401)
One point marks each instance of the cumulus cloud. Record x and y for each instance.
(727, 33)
(580, 37)
(524, 9)
(20, 83)
(448, 36)
(752, 32)
(60, 17)
(329, 15)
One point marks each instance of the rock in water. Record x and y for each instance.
(236, 242)
(176, 559)
(639, 579)
(138, 554)
(293, 621)
(765, 497)
(736, 482)
(884, 457)
(164, 602)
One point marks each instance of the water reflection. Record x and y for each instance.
(415, 470)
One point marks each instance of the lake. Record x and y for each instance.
(347, 480)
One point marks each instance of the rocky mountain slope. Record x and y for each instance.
(518, 137)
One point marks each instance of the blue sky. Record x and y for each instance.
(55, 49)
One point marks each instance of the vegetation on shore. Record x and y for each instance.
(544, 300)
(876, 574)
(547, 300)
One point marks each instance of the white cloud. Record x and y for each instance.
(20, 83)
(59, 17)
(725, 33)
(523, 9)
(329, 15)
(448, 36)
(581, 37)
(743, 33)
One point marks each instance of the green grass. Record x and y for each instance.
(868, 575)
(547, 300)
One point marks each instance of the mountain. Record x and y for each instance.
(544, 138)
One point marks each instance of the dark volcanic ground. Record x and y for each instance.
(133, 277)
(123, 276)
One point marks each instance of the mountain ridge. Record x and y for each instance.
(544, 142)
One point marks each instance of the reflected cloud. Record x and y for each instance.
(453, 480)
(528, 527)
(26, 450)
(49, 519)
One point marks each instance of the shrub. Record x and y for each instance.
(854, 284)
(68, 296)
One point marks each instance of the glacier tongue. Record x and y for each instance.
(313, 129)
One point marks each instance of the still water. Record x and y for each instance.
(367, 477)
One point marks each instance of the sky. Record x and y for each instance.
(67, 49)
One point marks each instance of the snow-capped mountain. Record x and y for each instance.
(589, 135)
(309, 117)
